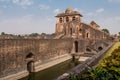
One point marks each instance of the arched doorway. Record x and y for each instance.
(87, 35)
(76, 46)
(30, 62)
(73, 18)
(30, 66)
(100, 48)
(67, 19)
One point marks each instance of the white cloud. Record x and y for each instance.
(44, 7)
(56, 11)
(100, 10)
(90, 14)
(94, 13)
(23, 2)
(112, 24)
(79, 10)
(76, 9)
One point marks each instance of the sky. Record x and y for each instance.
(38, 16)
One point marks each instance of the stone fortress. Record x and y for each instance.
(72, 36)
(69, 25)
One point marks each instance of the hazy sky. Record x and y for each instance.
(30, 16)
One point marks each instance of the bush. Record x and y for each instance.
(109, 69)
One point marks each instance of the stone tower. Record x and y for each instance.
(68, 23)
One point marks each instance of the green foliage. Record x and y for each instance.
(34, 34)
(119, 34)
(3, 33)
(106, 30)
(109, 69)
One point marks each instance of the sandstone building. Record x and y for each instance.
(69, 24)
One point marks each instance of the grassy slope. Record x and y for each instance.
(108, 53)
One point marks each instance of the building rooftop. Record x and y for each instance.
(68, 12)
(92, 23)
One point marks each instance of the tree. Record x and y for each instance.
(3, 33)
(34, 34)
(106, 30)
(119, 34)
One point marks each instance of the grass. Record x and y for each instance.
(115, 46)
(108, 53)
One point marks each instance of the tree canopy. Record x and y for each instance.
(3, 33)
(106, 30)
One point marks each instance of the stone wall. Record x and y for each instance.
(13, 52)
(16, 53)
(81, 45)
(55, 47)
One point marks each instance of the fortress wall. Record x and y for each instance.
(13, 52)
(54, 47)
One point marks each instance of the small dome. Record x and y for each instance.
(68, 10)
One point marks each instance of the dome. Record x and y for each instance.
(68, 10)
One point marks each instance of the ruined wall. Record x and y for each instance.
(13, 52)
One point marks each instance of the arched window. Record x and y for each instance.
(73, 18)
(67, 19)
(87, 35)
(80, 30)
(60, 20)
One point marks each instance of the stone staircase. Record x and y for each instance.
(58, 36)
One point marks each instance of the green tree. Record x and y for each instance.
(34, 34)
(106, 30)
(3, 33)
(119, 34)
